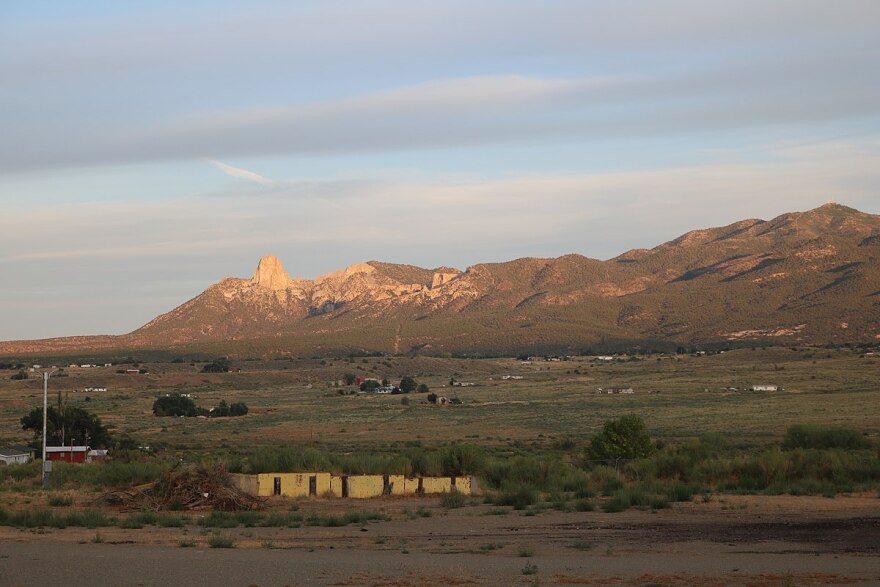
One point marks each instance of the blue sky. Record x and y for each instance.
(149, 149)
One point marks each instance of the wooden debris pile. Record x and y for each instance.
(191, 488)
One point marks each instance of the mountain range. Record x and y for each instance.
(801, 278)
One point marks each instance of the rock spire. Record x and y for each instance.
(270, 274)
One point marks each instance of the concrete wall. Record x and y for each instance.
(293, 484)
(362, 486)
(359, 486)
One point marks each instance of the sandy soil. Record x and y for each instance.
(750, 541)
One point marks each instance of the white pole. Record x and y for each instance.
(45, 404)
(46, 466)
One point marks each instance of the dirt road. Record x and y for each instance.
(746, 541)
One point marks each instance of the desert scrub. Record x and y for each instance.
(823, 437)
(221, 541)
(48, 519)
(452, 500)
(110, 474)
(635, 496)
(520, 497)
(60, 500)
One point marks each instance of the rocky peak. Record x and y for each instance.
(442, 278)
(270, 274)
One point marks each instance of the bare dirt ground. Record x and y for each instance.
(752, 541)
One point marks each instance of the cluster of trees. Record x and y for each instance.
(175, 404)
(220, 365)
(66, 424)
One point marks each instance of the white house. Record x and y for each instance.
(13, 456)
(765, 387)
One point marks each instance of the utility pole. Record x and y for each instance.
(47, 466)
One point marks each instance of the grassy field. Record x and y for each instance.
(299, 401)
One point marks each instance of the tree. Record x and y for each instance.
(370, 385)
(422, 388)
(20, 376)
(623, 438)
(221, 410)
(174, 404)
(220, 365)
(238, 409)
(408, 385)
(432, 398)
(349, 378)
(67, 424)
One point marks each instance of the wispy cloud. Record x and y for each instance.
(240, 173)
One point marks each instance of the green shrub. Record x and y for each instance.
(584, 505)
(218, 519)
(681, 492)
(170, 521)
(823, 437)
(623, 438)
(520, 497)
(452, 499)
(60, 500)
(219, 541)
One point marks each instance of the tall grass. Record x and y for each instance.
(110, 474)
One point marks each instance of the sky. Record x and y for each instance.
(150, 149)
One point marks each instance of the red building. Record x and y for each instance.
(68, 454)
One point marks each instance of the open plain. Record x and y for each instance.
(716, 537)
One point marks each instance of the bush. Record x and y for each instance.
(519, 498)
(623, 438)
(238, 409)
(175, 404)
(822, 437)
(452, 500)
(218, 541)
(217, 366)
(637, 496)
(60, 500)
(463, 459)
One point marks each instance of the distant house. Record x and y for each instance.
(133, 371)
(97, 455)
(463, 384)
(765, 387)
(68, 454)
(616, 390)
(14, 456)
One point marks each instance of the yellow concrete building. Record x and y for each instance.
(350, 486)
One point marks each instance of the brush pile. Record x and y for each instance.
(191, 488)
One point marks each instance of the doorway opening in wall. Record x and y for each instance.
(345, 486)
(313, 485)
(276, 489)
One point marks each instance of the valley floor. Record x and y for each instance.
(728, 541)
